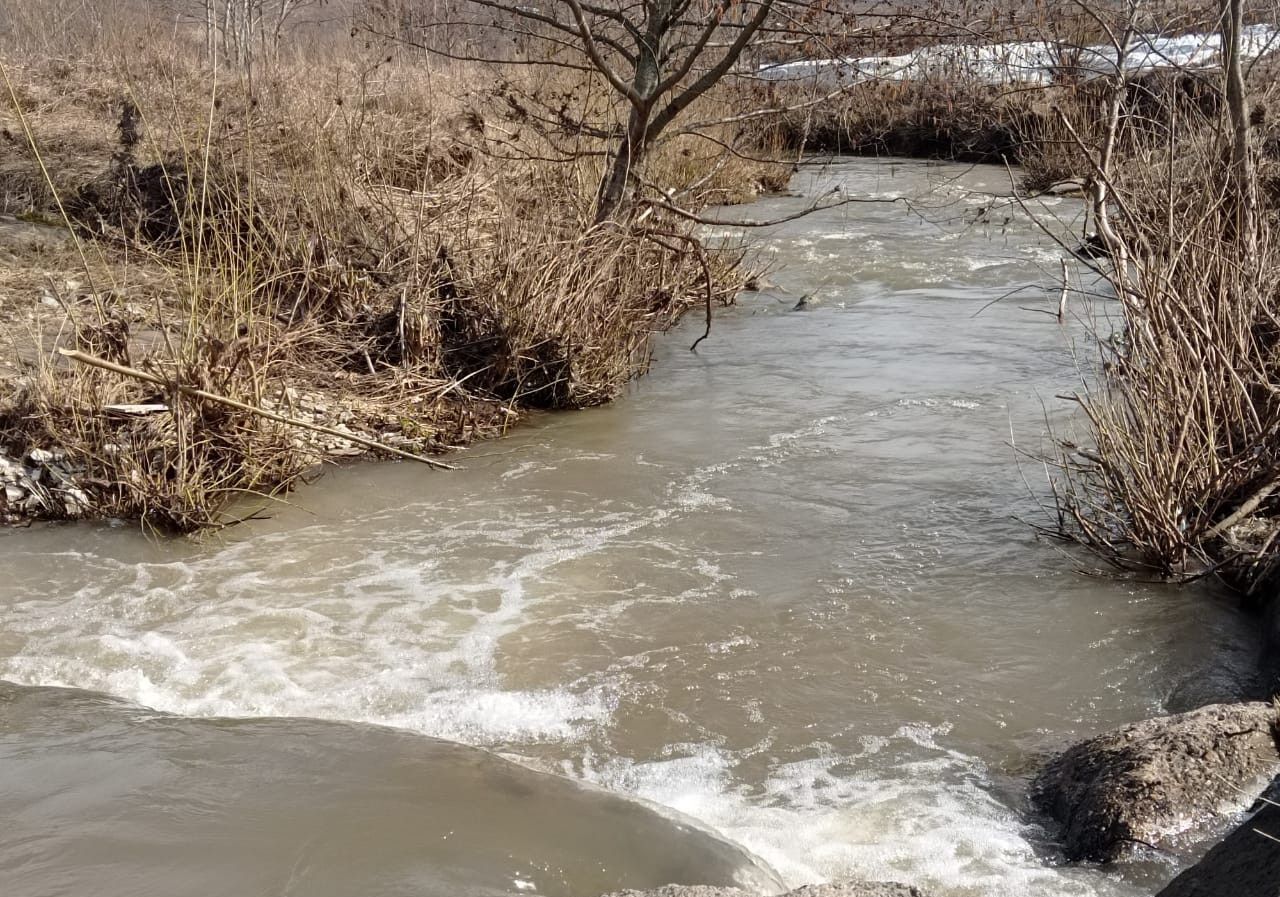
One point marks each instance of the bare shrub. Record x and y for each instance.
(1178, 470)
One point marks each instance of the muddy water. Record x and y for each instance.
(319, 809)
(781, 588)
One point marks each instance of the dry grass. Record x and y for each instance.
(360, 243)
(927, 119)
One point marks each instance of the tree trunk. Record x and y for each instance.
(629, 156)
(615, 188)
(1242, 170)
(210, 31)
(1102, 180)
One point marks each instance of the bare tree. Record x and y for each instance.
(657, 57)
(241, 31)
(1243, 174)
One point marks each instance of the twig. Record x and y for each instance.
(1248, 507)
(817, 206)
(94, 361)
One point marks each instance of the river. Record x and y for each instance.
(786, 587)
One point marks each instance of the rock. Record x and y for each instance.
(14, 494)
(35, 494)
(75, 502)
(427, 817)
(39, 456)
(1093, 247)
(837, 889)
(1069, 187)
(1143, 783)
(1245, 864)
(858, 889)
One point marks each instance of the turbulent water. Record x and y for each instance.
(786, 587)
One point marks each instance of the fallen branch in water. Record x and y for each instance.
(1062, 299)
(93, 361)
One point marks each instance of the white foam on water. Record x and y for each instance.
(364, 631)
(928, 404)
(974, 263)
(924, 818)
(364, 637)
(408, 634)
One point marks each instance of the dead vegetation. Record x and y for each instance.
(383, 248)
(1178, 466)
(960, 121)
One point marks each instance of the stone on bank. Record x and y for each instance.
(40, 484)
(1146, 782)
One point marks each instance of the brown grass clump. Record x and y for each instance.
(371, 247)
(1180, 463)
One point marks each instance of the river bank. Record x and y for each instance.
(403, 267)
(304, 275)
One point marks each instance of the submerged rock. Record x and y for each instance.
(1245, 864)
(1148, 781)
(113, 800)
(837, 889)
(1069, 187)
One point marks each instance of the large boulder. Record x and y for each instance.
(838, 889)
(101, 798)
(1143, 783)
(1245, 864)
